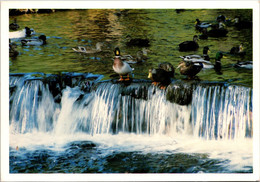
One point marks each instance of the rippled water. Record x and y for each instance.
(165, 29)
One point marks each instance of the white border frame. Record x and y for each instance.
(242, 4)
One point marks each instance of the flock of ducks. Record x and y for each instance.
(190, 65)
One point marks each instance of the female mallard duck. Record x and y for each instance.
(189, 68)
(140, 57)
(82, 49)
(121, 67)
(245, 64)
(34, 42)
(14, 25)
(201, 25)
(162, 75)
(21, 33)
(189, 45)
(205, 55)
(12, 50)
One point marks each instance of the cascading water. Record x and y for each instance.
(215, 112)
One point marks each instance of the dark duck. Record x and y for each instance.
(14, 25)
(218, 30)
(120, 67)
(162, 75)
(189, 45)
(12, 50)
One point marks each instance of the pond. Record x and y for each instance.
(164, 28)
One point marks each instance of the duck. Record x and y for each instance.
(242, 24)
(244, 64)
(21, 33)
(140, 42)
(189, 45)
(14, 25)
(34, 42)
(12, 50)
(218, 30)
(121, 67)
(140, 57)
(205, 55)
(190, 69)
(201, 25)
(204, 34)
(82, 49)
(162, 75)
(206, 63)
(239, 50)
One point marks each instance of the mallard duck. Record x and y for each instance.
(21, 33)
(204, 34)
(82, 49)
(167, 67)
(207, 64)
(140, 57)
(245, 64)
(201, 25)
(137, 42)
(189, 45)
(238, 50)
(121, 67)
(189, 68)
(14, 25)
(34, 42)
(241, 24)
(12, 50)
(218, 31)
(205, 55)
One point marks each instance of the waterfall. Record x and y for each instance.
(215, 111)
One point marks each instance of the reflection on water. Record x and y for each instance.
(164, 28)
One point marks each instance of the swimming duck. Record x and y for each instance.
(162, 75)
(189, 68)
(201, 25)
(82, 49)
(207, 64)
(245, 64)
(21, 33)
(189, 45)
(238, 50)
(14, 25)
(241, 24)
(205, 55)
(34, 42)
(12, 50)
(137, 42)
(218, 30)
(140, 57)
(121, 67)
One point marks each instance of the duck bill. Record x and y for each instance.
(150, 75)
(225, 57)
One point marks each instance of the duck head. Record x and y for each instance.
(42, 37)
(117, 52)
(99, 45)
(27, 31)
(197, 22)
(206, 50)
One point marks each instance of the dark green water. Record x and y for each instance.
(165, 29)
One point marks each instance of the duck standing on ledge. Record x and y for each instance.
(34, 42)
(189, 45)
(121, 67)
(162, 75)
(189, 68)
